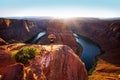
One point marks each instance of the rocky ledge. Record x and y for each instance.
(59, 64)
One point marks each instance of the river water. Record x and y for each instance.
(36, 38)
(90, 51)
(39, 36)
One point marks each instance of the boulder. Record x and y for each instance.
(13, 72)
(60, 64)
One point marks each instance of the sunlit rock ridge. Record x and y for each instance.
(59, 64)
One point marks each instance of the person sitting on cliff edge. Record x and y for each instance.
(51, 37)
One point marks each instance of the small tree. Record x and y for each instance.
(25, 54)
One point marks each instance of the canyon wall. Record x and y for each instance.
(106, 33)
(20, 30)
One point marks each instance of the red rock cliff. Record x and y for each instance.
(60, 64)
(20, 30)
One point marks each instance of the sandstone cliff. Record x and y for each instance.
(3, 42)
(20, 30)
(60, 64)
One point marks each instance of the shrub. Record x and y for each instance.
(25, 54)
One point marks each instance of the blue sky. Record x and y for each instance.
(60, 8)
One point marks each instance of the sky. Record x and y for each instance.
(60, 8)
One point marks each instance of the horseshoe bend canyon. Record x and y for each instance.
(26, 52)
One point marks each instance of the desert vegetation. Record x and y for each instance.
(25, 54)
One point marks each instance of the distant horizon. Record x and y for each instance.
(56, 17)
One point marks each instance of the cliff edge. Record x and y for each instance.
(59, 64)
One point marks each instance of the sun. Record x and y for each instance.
(63, 16)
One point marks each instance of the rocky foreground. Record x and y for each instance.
(59, 64)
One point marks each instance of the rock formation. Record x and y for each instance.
(2, 42)
(13, 72)
(19, 30)
(59, 64)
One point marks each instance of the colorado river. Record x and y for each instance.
(36, 38)
(90, 51)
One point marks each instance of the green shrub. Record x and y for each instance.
(25, 54)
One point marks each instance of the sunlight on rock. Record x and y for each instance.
(55, 47)
(119, 76)
(0, 77)
(35, 76)
(7, 21)
(26, 27)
